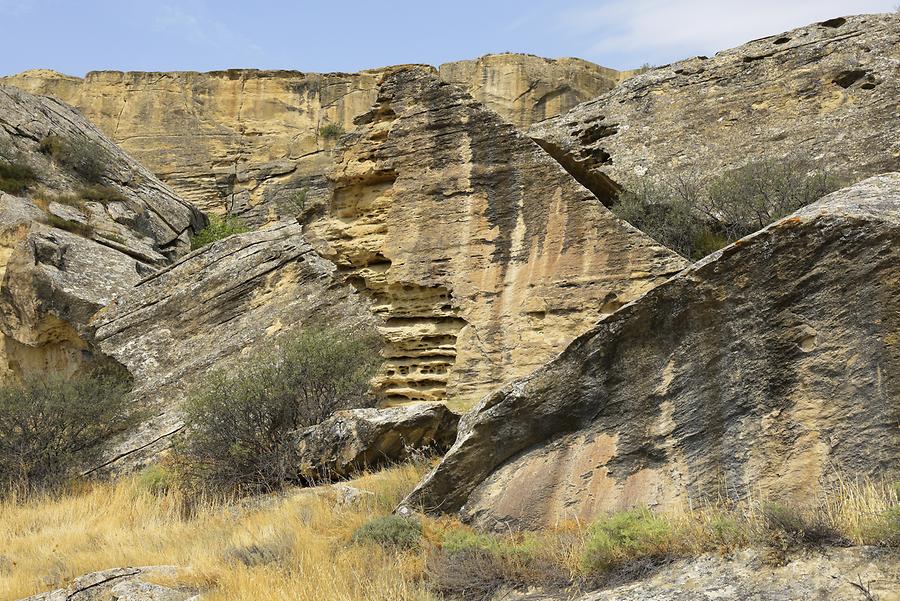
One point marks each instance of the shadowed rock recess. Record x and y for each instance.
(209, 308)
(770, 366)
(481, 254)
(826, 92)
(248, 141)
(69, 244)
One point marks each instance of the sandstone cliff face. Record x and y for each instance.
(525, 89)
(207, 309)
(62, 255)
(826, 92)
(248, 141)
(769, 366)
(481, 254)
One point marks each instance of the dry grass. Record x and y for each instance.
(299, 546)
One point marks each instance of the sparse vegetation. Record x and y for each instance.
(15, 176)
(390, 531)
(85, 157)
(295, 205)
(218, 228)
(331, 131)
(238, 424)
(100, 193)
(696, 216)
(50, 424)
(82, 229)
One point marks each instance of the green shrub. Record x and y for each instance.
(15, 176)
(84, 157)
(695, 216)
(390, 531)
(331, 131)
(217, 229)
(463, 541)
(51, 424)
(623, 537)
(100, 193)
(156, 479)
(238, 423)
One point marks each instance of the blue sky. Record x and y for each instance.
(77, 36)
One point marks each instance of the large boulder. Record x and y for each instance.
(71, 239)
(207, 311)
(826, 92)
(771, 366)
(121, 584)
(358, 439)
(248, 141)
(484, 257)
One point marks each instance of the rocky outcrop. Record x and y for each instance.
(68, 242)
(250, 141)
(121, 584)
(861, 573)
(827, 92)
(481, 254)
(772, 365)
(358, 439)
(525, 89)
(208, 309)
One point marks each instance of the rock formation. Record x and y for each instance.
(482, 255)
(525, 89)
(121, 584)
(358, 439)
(827, 92)
(249, 141)
(85, 223)
(207, 309)
(772, 365)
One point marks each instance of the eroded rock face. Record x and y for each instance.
(482, 255)
(772, 366)
(525, 89)
(358, 439)
(745, 575)
(248, 141)
(827, 92)
(208, 309)
(64, 255)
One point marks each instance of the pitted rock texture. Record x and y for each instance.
(862, 573)
(121, 584)
(482, 255)
(525, 89)
(358, 439)
(59, 263)
(827, 92)
(208, 309)
(247, 141)
(771, 366)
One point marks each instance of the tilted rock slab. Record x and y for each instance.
(209, 309)
(769, 367)
(827, 92)
(52, 280)
(483, 256)
(357, 439)
(248, 141)
(121, 584)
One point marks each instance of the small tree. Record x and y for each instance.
(217, 229)
(238, 424)
(51, 424)
(331, 131)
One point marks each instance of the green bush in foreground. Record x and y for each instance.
(623, 536)
(238, 423)
(52, 423)
(217, 229)
(390, 531)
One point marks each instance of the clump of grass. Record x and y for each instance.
(82, 229)
(218, 228)
(16, 177)
(331, 131)
(615, 540)
(84, 157)
(100, 193)
(390, 531)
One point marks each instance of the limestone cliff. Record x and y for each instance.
(84, 223)
(481, 254)
(827, 92)
(771, 366)
(248, 141)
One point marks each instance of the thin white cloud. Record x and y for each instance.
(200, 30)
(678, 29)
(17, 7)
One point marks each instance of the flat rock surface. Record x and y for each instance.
(772, 365)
